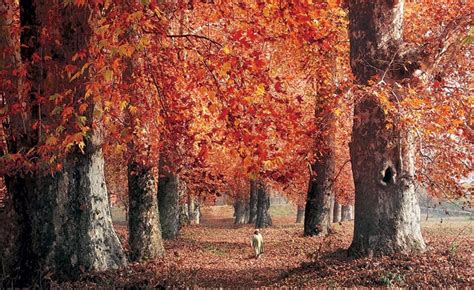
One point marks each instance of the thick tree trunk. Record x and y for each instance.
(319, 207)
(263, 219)
(144, 229)
(318, 214)
(346, 212)
(9, 61)
(144, 220)
(65, 225)
(65, 221)
(300, 214)
(168, 201)
(337, 216)
(241, 210)
(387, 215)
(253, 202)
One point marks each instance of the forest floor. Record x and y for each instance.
(217, 253)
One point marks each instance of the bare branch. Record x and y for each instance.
(195, 36)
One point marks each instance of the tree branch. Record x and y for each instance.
(195, 36)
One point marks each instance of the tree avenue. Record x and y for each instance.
(183, 110)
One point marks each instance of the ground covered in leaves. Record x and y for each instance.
(218, 254)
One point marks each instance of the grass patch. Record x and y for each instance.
(282, 210)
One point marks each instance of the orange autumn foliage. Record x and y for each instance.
(227, 91)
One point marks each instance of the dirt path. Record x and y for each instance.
(219, 252)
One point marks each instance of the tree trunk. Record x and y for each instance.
(318, 212)
(253, 202)
(183, 208)
(183, 215)
(197, 213)
(65, 225)
(346, 212)
(247, 213)
(300, 214)
(9, 61)
(144, 230)
(168, 201)
(194, 210)
(65, 220)
(387, 215)
(263, 219)
(337, 212)
(144, 220)
(241, 209)
(331, 209)
(190, 208)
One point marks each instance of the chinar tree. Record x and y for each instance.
(387, 214)
(63, 218)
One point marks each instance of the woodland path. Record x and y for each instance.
(217, 253)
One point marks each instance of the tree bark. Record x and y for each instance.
(247, 213)
(253, 202)
(183, 215)
(300, 214)
(318, 212)
(144, 230)
(144, 220)
(346, 212)
(190, 208)
(65, 225)
(9, 61)
(263, 219)
(183, 207)
(337, 212)
(319, 202)
(194, 210)
(331, 209)
(387, 215)
(168, 201)
(197, 213)
(65, 221)
(241, 209)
